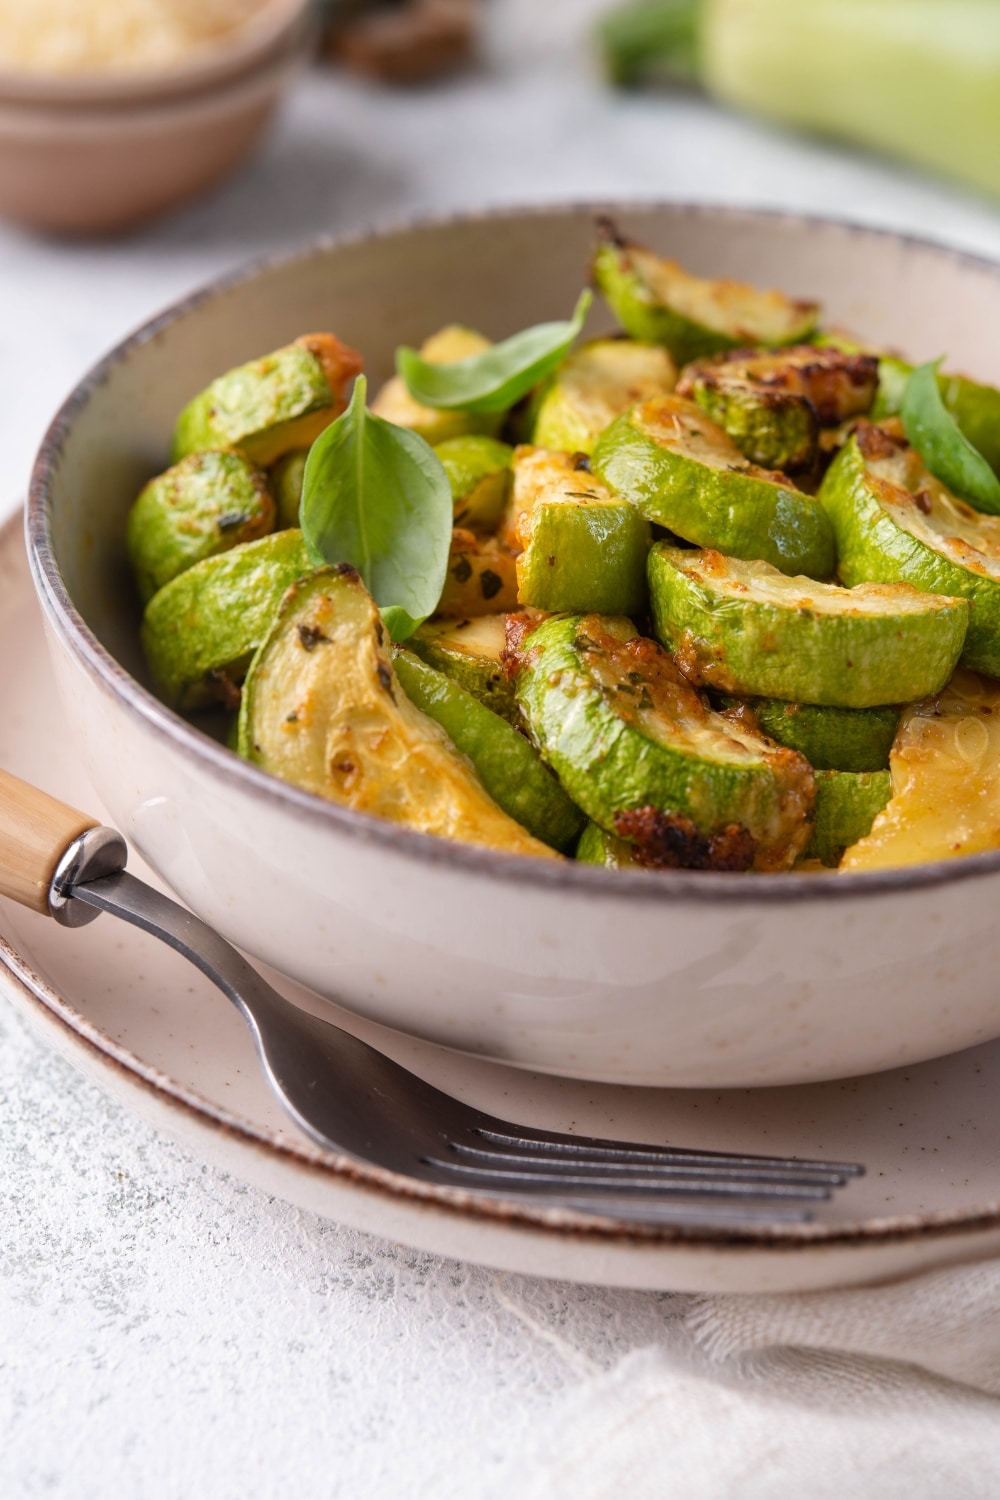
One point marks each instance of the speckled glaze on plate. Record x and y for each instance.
(150, 1030)
(674, 979)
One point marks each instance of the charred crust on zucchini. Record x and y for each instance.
(669, 841)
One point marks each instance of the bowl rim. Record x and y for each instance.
(193, 744)
(215, 64)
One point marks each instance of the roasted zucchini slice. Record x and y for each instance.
(773, 405)
(945, 769)
(746, 628)
(658, 302)
(595, 384)
(285, 480)
(395, 404)
(680, 470)
(847, 805)
(471, 652)
(506, 764)
(479, 472)
(580, 547)
(206, 504)
(272, 405)
(975, 407)
(201, 629)
(635, 746)
(481, 577)
(831, 739)
(895, 521)
(599, 848)
(323, 709)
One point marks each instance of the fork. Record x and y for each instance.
(348, 1097)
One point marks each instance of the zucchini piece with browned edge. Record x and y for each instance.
(680, 470)
(635, 746)
(479, 473)
(745, 627)
(395, 404)
(658, 302)
(579, 546)
(201, 629)
(206, 504)
(895, 522)
(481, 577)
(831, 739)
(272, 405)
(322, 708)
(471, 652)
(595, 384)
(506, 764)
(847, 804)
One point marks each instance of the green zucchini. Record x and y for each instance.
(847, 804)
(975, 407)
(272, 405)
(773, 405)
(506, 764)
(479, 472)
(637, 749)
(599, 848)
(895, 521)
(285, 480)
(580, 547)
(201, 629)
(206, 504)
(323, 709)
(831, 739)
(471, 652)
(395, 404)
(657, 302)
(747, 628)
(680, 470)
(595, 384)
(481, 577)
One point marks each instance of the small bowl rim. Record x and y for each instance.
(215, 65)
(421, 848)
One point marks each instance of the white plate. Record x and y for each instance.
(147, 1027)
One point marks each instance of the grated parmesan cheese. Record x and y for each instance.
(90, 36)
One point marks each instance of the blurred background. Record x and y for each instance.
(147, 145)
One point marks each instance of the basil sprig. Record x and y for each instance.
(494, 380)
(377, 496)
(943, 446)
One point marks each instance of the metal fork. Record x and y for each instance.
(351, 1098)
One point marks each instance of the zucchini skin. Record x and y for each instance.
(506, 764)
(479, 473)
(840, 657)
(210, 619)
(484, 676)
(742, 511)
(595, 384)
(611, 768)
(831, 739)
(874, 548)
(847, 805)
(595, 847)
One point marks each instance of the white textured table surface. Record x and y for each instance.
(165, 1331)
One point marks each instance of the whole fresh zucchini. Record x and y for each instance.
(506, 764)
(919, 79)
(895, 522)
(945, 770)
(579, 546)
(680, 470)
(272, 405)
(323, 709)
(745, 627)
(658, 302)
(595, 384)
(635, 746)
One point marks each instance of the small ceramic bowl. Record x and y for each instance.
(679, 978)
(79, 166)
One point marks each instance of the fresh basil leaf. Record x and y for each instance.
(942, 445)
(377, 496)
(494, 380)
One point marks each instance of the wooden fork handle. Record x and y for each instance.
(35, 832)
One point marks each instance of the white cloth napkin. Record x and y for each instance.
(888, 1391)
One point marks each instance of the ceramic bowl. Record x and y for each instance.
(683, 978)
(106, 164)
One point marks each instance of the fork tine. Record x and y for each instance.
(665, 1185)
(611, 1169)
